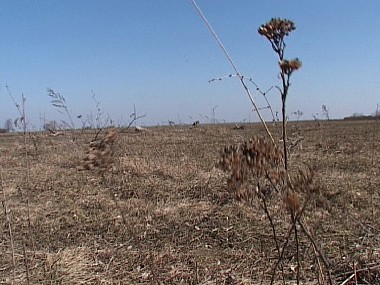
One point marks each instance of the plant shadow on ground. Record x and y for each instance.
(164, 214)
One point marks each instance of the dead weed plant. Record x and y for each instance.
(256, 169)
(100, 156)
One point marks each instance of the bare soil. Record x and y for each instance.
(164, 215)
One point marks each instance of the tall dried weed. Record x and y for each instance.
(256, 169)
(259, 162)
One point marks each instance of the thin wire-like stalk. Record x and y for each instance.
(297, 247)
(22, 113)
(273, 227)
(284, 135)
(275, 31)
(317, 249)
(281, 255)
(284, 246)
(265, 97)
(257, 89)
(241, 78)
(134, 117)
(266, 210)
(284, 93)
(26, 159)
(6, 210)
(373, 134)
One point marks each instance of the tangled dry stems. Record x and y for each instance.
(256, 167)
(100, 156)
(259, 162)
(260, 156)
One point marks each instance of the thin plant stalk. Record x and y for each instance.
(257, 89)
(59, 102)
(23, 119)
(281, 255)
(266, 210)
(238, 74)
(275, 31)
(297, 247)
(134, 117)
(284, 93)
(26, 159)
(287, 239)
(318, 250)
(374, 132)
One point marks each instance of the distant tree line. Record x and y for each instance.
(359, 116)
(8, 126)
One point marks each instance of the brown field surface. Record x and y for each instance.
(163, 213)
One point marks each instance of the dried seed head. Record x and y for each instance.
(305, 182)
(292, 201)
(288, 66)
(276, 29)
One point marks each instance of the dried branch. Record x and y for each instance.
(134, 117)
(238, 74)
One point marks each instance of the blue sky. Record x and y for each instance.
(159, 56)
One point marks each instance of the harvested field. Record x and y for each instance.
(163, 213)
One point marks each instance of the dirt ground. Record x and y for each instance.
(163, 213)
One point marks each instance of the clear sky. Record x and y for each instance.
(159, 56)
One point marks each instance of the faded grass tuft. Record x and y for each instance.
(69, 266)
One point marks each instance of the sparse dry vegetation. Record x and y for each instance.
(200, 204)
(163, 214)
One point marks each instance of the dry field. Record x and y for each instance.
(164, 215)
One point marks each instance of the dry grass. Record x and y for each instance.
(164, 215)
